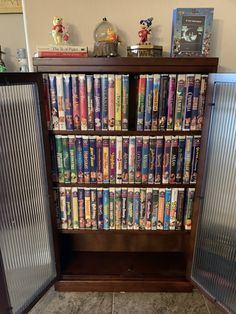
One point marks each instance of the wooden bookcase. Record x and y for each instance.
(125, 260)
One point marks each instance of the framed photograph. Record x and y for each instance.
(191, 32)
(10, 6)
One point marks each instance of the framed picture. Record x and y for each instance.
(10, 6)
(191, 32)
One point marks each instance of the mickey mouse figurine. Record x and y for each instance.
(145, 30)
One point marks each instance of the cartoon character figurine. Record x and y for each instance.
(57, 30)
(145, 30)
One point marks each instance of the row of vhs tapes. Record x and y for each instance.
(124, 208)
(127, 159)
(171, 102)
(87, 102)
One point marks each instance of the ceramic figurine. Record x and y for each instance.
(22, 60)
(59, 34)
(145, 30)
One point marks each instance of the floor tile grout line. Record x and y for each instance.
(208, 310)
(113, 303)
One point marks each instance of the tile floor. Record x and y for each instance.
(121, 303)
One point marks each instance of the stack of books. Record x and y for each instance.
(63, 51)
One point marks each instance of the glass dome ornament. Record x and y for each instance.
(106, 40)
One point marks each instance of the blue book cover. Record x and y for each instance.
(106, 214)
(104, 101)
(79, 159)
(167, 209)
(148, 103)
(86, 159)
(53, 100)
(67, 89)
(100, 208)
(92, 154)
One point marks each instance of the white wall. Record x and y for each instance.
(12, 36)
(84, 15)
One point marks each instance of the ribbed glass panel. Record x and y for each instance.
(214, 266)
(25, 232)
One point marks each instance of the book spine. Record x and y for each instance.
(138, 161)
(118, 102)
(68, 208)
(155, 101)
(148, 103)
(62, 48)
(136, 207)
(75, 101)
(104, 101)
(66, 159)
(111, 102)
(79, 159)
(202, 101)
(100, 208)
(125, 103)
(188, 208)
(67, 89)
(112, 153)
(180, 160)
(148, 224)
(195, 159)
(99, 159)
(87, 209)
(62, 54)
(141, 102)
(171, 102)
(131, 158)
(187, 159)
(130, 214)
(155, 203)
(63, 214)
(105, 159)
(81, 208)
(106, 213)
(53, 151)
(46, 100)
(124, 195)
(118, 208)
(179, 104)
(60, 102)
(167, 209)
(151, 162)
(90, 103)
(173, 208)
(142, 214)
(125, 159)
(163, 101)
(97, 102)
(159, 159)
(92, 155)
(173, 158)
(180, 209)
(112, 207)
(56, 203)
(83, 102)
(53, 101)
(86, 159)
(196, 94)
(93, 199)
(72, 151)
(145, 153)
(166, 160)
(188, 102)
(75, 206)
(119, 160)
(161, 209)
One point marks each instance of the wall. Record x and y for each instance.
(12, 37)
(83, 16)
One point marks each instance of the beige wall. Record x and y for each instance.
(12, 36)
(84, 15)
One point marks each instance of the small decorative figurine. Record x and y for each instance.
(106, 40)
(145, 30)
(59, 32)
(2, 64)
(144, 48)
(22, 59)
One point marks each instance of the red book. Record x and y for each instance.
(61, 54)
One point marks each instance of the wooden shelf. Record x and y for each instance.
(125, 133)
(109, 232)
(123, 185)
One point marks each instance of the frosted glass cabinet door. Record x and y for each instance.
(214, 265)
(25, 224)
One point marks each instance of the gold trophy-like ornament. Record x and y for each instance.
(144, 48)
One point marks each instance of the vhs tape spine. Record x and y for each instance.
(67, 88)
(83, 102)
(97, 102)
(75, 101)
